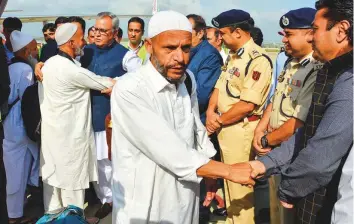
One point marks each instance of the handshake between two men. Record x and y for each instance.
(242, 173)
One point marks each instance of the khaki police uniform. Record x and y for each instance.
(292, 99)
(235, 140)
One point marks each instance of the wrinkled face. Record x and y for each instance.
(228, 37)
(104, 31)
(135, 33)
(212, 39)
(49, 35)
(295, 42)
(170, 53)
(82, 31)
(31, 50)
(91, 37)
(323, 40)
(77, 42)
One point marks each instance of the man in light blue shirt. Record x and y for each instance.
(279, 65)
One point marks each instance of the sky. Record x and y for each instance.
(266, 13)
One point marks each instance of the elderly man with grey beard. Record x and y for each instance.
(107, 58)
(160, 148)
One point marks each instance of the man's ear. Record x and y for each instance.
(237, 33)
(343, 27)
(148, 45)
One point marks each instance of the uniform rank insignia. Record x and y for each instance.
(255, 53)
(256, 75)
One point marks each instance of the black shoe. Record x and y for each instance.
(220, 212)
(105, 210)
(204, 215)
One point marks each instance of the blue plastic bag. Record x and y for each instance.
(68, 215)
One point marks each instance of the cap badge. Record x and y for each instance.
(285, 21)
(216, 23)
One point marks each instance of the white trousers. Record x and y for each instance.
(15, 201)
(104, 186)
(56, 198)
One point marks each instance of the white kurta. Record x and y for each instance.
(158, 143)
(18, 149)
(68, 155)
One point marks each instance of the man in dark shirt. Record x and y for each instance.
(311, 161)
(51, 48)
(48, 31)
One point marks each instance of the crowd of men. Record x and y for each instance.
(154, 123)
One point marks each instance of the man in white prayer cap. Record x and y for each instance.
(160, 148)
(68, 161)
(20, 153)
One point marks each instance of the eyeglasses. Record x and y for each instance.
(101, 30)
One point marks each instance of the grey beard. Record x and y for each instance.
(79, 52)
(162, 70)
(32, 61)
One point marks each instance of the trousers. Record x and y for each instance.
(236, 147)
(55, 198)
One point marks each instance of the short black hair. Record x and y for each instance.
(244, 25)
(12, 23)
(216, 31)
(90, 29)
(61, 20)
(49, 26)
(199, 22)
(257, 35)
(338, 10)
(78, 19)
(137, 20)
(120, 33)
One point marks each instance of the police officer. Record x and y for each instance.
(237, 103)
(290, 104)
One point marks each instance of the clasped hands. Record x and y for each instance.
(213, 122)
(242, 173)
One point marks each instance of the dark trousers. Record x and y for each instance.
(3, 207)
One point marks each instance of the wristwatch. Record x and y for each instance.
(264, 142)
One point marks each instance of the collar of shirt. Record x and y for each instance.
(136, 49)
(340, 63)
(107, 47)
(304, 62)
(241, 52)
(159, 82)
(195, 49)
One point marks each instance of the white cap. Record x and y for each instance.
(19, 40)
(64, 33)
(166, 21)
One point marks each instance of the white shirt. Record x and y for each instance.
(68, 157)
(16, 143)
(131, 62)
(223, 55)
(158, 143)
(343, 209)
